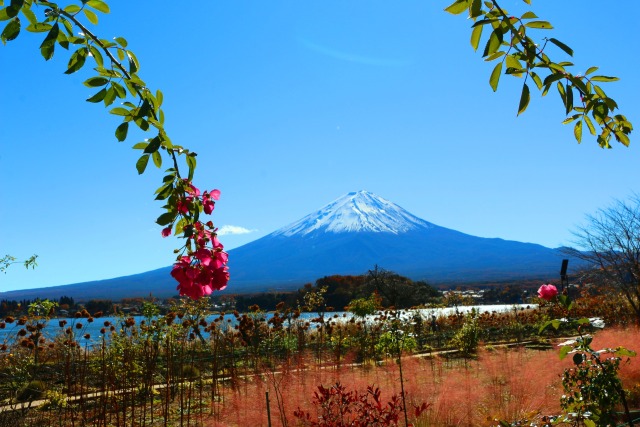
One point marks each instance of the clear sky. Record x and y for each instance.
(291, 104)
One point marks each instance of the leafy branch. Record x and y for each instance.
(8, 260)
(116, 77)
(519, 55)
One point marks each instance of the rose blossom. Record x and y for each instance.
(547, 292)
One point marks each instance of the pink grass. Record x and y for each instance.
(510, 385)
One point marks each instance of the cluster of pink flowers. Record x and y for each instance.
(547, 292)
(185, 204)
(204, 268)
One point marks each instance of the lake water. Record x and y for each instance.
(9, 334)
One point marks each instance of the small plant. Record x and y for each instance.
(34, 390)
(467, 338)
(592, 387)
(190, 372)
(390, 341)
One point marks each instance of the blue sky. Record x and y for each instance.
(291, 104)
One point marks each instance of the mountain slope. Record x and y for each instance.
(348, 236)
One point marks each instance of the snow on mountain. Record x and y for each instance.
(357, 211)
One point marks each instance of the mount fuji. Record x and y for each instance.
(348, 236)
(359, 230)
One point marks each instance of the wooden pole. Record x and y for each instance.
(268, 408)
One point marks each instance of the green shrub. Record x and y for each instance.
(467, 338)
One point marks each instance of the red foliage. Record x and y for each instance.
(339, 407)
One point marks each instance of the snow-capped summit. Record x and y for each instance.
(357, 211)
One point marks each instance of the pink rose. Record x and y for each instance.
(547, 292)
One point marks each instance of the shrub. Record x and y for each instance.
(34, 390)
(338, 407)
(466, 339)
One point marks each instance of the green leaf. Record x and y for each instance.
(577, 82)
(599, 91)
(91, 16)
(564, 350)
(475, 8)
(96, 55)
(476, 35)
(166, 218)
(98, 5)
(119, 111)
(63, 40)
(159, 98)
(591, 70)
(494, 56)
(77, 60)
(577, 131)
(570, 119)
(121, 41)
(39, 28)
(11, 31)
(589, 423)
(528, 15)
(164, 191)
(140, 146)
(622, 352)
(524, 99)
(592, 129)
(134, 65)
(72, 9)
(96, 81)
(180, 226)
(98, 96)
(141, 164)
(512, 62)
(48, 45)
(191, 162)
(536, 79)
(495, 39)
(157, 159)
(568, 100)
(544, 326)
(600, 113)
(121, 131)
(495, 76)
(555, 323)
(562, 46)
(622, 138)
(154, 145)
(28, 13)
(120, 91)
(552, 78)
(604, 79)
(543, 25)
(109, 97)
(460, 6)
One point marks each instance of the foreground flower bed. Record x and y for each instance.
(180, 370)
